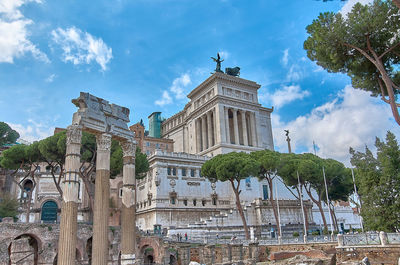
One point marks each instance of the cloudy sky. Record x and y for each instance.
(148, 54)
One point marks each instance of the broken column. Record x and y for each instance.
(101, 200)
(128, 240)
(69, 209)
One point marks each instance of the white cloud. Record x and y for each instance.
(285, 57)
(179, 84)
(14, 33)
(50, 78)
(349, 5)
(285, 95)
(294, 74)
(353, 119)
(82, 48)
(165, 100)
(33, 131)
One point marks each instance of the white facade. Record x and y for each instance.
(223, 115)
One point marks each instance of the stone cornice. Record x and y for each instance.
(225, 77)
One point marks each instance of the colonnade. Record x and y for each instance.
(68, 226)
(237, 126)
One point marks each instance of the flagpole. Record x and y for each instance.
(279, 215)
(359, 200)
(302, 209)
(327, 200)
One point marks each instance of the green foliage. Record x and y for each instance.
(116, 161)
(364, 44)
(7, 135)
(8, 206)
(232, 166)
(378, 183)
(296, 234)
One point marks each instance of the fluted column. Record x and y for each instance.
(209, 129)
(198, 135)
(219, 125)
(101, 200)
(244, 127)
(253, 129)
(68, 227)
(204, 132)
(128, 221)
(214, 126)
(235, 126)
(228, 133)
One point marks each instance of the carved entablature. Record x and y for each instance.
(99, 116)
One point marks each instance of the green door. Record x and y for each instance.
(49, 212)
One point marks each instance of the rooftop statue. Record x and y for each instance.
(218, 61)
(235, 71)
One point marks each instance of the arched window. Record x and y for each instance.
(49, 212)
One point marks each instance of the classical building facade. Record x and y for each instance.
(223, 115)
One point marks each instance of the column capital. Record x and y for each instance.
(74, 134)
(128, 148)
(103, 142)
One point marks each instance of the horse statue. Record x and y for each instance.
(235, 71)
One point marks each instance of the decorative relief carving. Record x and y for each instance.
(103, 142)
(74, 134)
(190, 183)
(128, 148)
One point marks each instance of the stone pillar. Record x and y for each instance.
(198, 135)
(340, 239)
(214, 126)
(220, 125)
(384, 238)
(128, 221)
(253, 129)
(68, 226)
(244, 127)
(235, 126)
(204, 132)
(209, 128)
(228, 135)
(101, 200)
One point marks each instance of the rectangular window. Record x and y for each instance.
(174, 171)
(214, 201)
(169, 171)
(157, 146)
(194, 202)
(120, 192)
(203, 202)
(147, 144)
(184, 172)
(185, 202)
(192, 172)
(248, 182)
(172, 200)
(265, 192)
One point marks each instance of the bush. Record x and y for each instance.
(315, 233)
(8, 206)
(296, 234)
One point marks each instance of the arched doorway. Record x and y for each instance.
(24, 250)
(49, 212)
(28, 187)
(148, 255)
(172, 260)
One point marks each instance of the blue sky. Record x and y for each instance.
(148, 54)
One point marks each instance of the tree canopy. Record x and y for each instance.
(8, 206)
(232, 167)
(364, 44)
(7, 135)
(378, 182)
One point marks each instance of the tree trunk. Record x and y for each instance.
(28, 210)
(304, 208)
(272, 201)
(240, 209)
(333, 219)
(319, 204)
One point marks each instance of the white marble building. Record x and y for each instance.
(223, 115)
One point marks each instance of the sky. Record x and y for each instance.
(147, 55)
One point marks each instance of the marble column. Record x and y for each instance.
(209, 129)
(198, 135)
(235, 126)
(244, 128)
(214, 126)
(228, 133)
(253, 129)
(220, 125)
(128, 221)
(67, 241)
(204, 132)
(101, 200)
